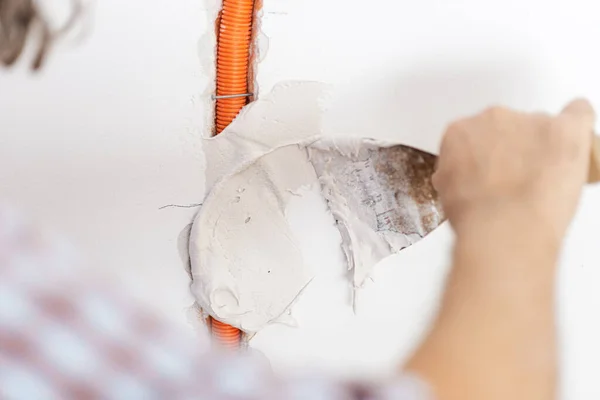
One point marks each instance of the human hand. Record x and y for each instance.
(501, 161)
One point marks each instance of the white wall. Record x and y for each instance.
(417, 65)
(109, 132)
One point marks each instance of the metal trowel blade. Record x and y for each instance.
(387, 189)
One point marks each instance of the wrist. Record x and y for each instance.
(507, 241)
(507, 224)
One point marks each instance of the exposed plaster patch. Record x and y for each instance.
(246, 264)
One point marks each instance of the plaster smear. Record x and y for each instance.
(380, 195)
(247, 267)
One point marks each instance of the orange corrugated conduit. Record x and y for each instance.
(225, 335)
(233, 59)
(234, 37)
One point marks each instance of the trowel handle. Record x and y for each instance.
(594, 175)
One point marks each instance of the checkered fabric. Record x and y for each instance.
(64, 335)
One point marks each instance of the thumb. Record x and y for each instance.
(582, 111)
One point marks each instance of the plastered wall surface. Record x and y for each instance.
(106, 134)
(116, 136)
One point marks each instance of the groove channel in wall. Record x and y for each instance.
(236, 32)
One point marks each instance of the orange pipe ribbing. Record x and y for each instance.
(225, 335)
(233, 60)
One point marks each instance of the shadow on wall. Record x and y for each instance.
(415, 106)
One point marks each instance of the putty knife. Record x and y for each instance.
(387, 191)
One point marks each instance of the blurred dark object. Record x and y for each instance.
(21, 19)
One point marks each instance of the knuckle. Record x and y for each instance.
(496, 112)
(455, 138)
(453, 127)
(450, 137)
(455, 130)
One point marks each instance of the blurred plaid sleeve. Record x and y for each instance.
(64, 336)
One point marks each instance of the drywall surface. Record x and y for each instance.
(415, 66)
(107, 134)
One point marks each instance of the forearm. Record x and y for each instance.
(495, 336)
